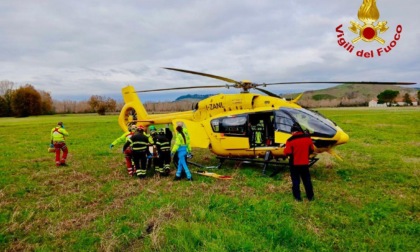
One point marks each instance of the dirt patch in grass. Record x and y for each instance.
(153, 229)
(412, 160)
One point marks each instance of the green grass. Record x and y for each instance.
(368, 202)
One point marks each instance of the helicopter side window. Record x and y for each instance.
(235, 126)
(215, 125)
(283, 122)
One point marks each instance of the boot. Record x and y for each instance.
(141, 173)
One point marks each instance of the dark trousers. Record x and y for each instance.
(139, 157)
(164, 158)
(298, 172)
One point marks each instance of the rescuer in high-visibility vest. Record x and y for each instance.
(183, 148)
(187, 136)
(259, 133)
(127, 152)
(58, 137)
(139, 143)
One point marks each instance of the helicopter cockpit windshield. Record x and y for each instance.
(314, 123)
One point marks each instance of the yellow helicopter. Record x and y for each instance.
(244, 126)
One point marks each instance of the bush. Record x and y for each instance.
(319, 97)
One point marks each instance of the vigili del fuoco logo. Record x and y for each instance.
(369, 31)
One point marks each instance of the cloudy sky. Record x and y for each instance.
(75, 49)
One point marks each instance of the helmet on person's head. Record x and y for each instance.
(152, 128)
(133, 128)
(141, 128)
(295, 127)
(161, 131)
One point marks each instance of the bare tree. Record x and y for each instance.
(5, 86)
(68, 106)
(102, 104)
(46, 103)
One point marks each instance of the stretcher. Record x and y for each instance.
(213, 175)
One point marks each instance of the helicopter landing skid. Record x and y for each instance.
(312, 161)
(202, 166)
(266, 162)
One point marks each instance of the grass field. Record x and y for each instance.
(368, 202)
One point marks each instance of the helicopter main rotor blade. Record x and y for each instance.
(246, 85)
(340, 82)
(179, 88)
(203, 74)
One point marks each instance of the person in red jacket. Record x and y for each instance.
(298, 147)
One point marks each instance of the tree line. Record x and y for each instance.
(353, 99)
(26, 101)
(23, 101)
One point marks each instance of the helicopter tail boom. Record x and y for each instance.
(134, 112)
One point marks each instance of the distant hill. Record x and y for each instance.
(347, 95)
(193, 97)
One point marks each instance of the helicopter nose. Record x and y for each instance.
(342, 137)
